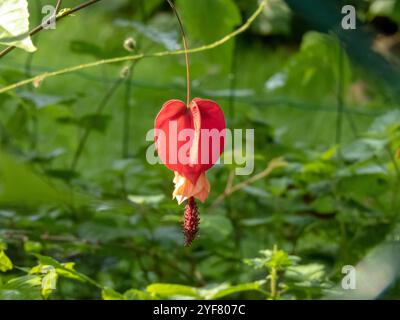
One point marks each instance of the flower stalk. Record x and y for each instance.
(186, 47)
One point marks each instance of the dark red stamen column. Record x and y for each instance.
(191, 221)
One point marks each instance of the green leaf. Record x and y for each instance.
(45, 260)
(324, 205)
(21, 294)
(275, 19)
(63, 269)
(43, 100)
(328, 154)
(85, 47)
(308, 272)
(150, 5)
(24, 281)
(316, 169)
(256, 192)
(385, 123)
(36, 190)
(104, 232)
(14, 24)
(216, 227)
(3, 245)
(277, 259)
(5, 262)
(363, 149)
(311, 73)
(157, 34)
(22, 288)
(17, 123)
(134, 294)
(207, 21)
(96, 122)
(386, 8)
(358, 185)
(111, 294)
(62, 174)
(163, 290)
(49, 282)
(226, 290)
(146, 200)
(32, 246)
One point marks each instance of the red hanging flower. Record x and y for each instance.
(189, 141)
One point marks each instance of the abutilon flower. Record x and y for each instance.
(189, 140)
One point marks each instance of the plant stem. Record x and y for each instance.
(186, 47)
(231, 212)
(233, 83)
(58, 17)
(28, 73)
(339, 97)
(58, 6)
(127, 114)
(87, 130)
(126, 130)
(274, 164)
(274, 277)
(397, 179)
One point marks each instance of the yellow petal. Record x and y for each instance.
(184, 189)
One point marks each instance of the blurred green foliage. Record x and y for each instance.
(94, 220)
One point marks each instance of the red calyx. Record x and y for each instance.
(172, 119)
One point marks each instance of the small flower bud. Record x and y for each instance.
(125, 71)
(130, 44)
(38, 81)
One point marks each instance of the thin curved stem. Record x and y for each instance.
(340, 103)
(58, 6)
(210, 46)
(103, 103)
(186, 46)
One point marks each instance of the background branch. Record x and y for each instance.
(274, 164)
(41, 77)
(58, 17)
